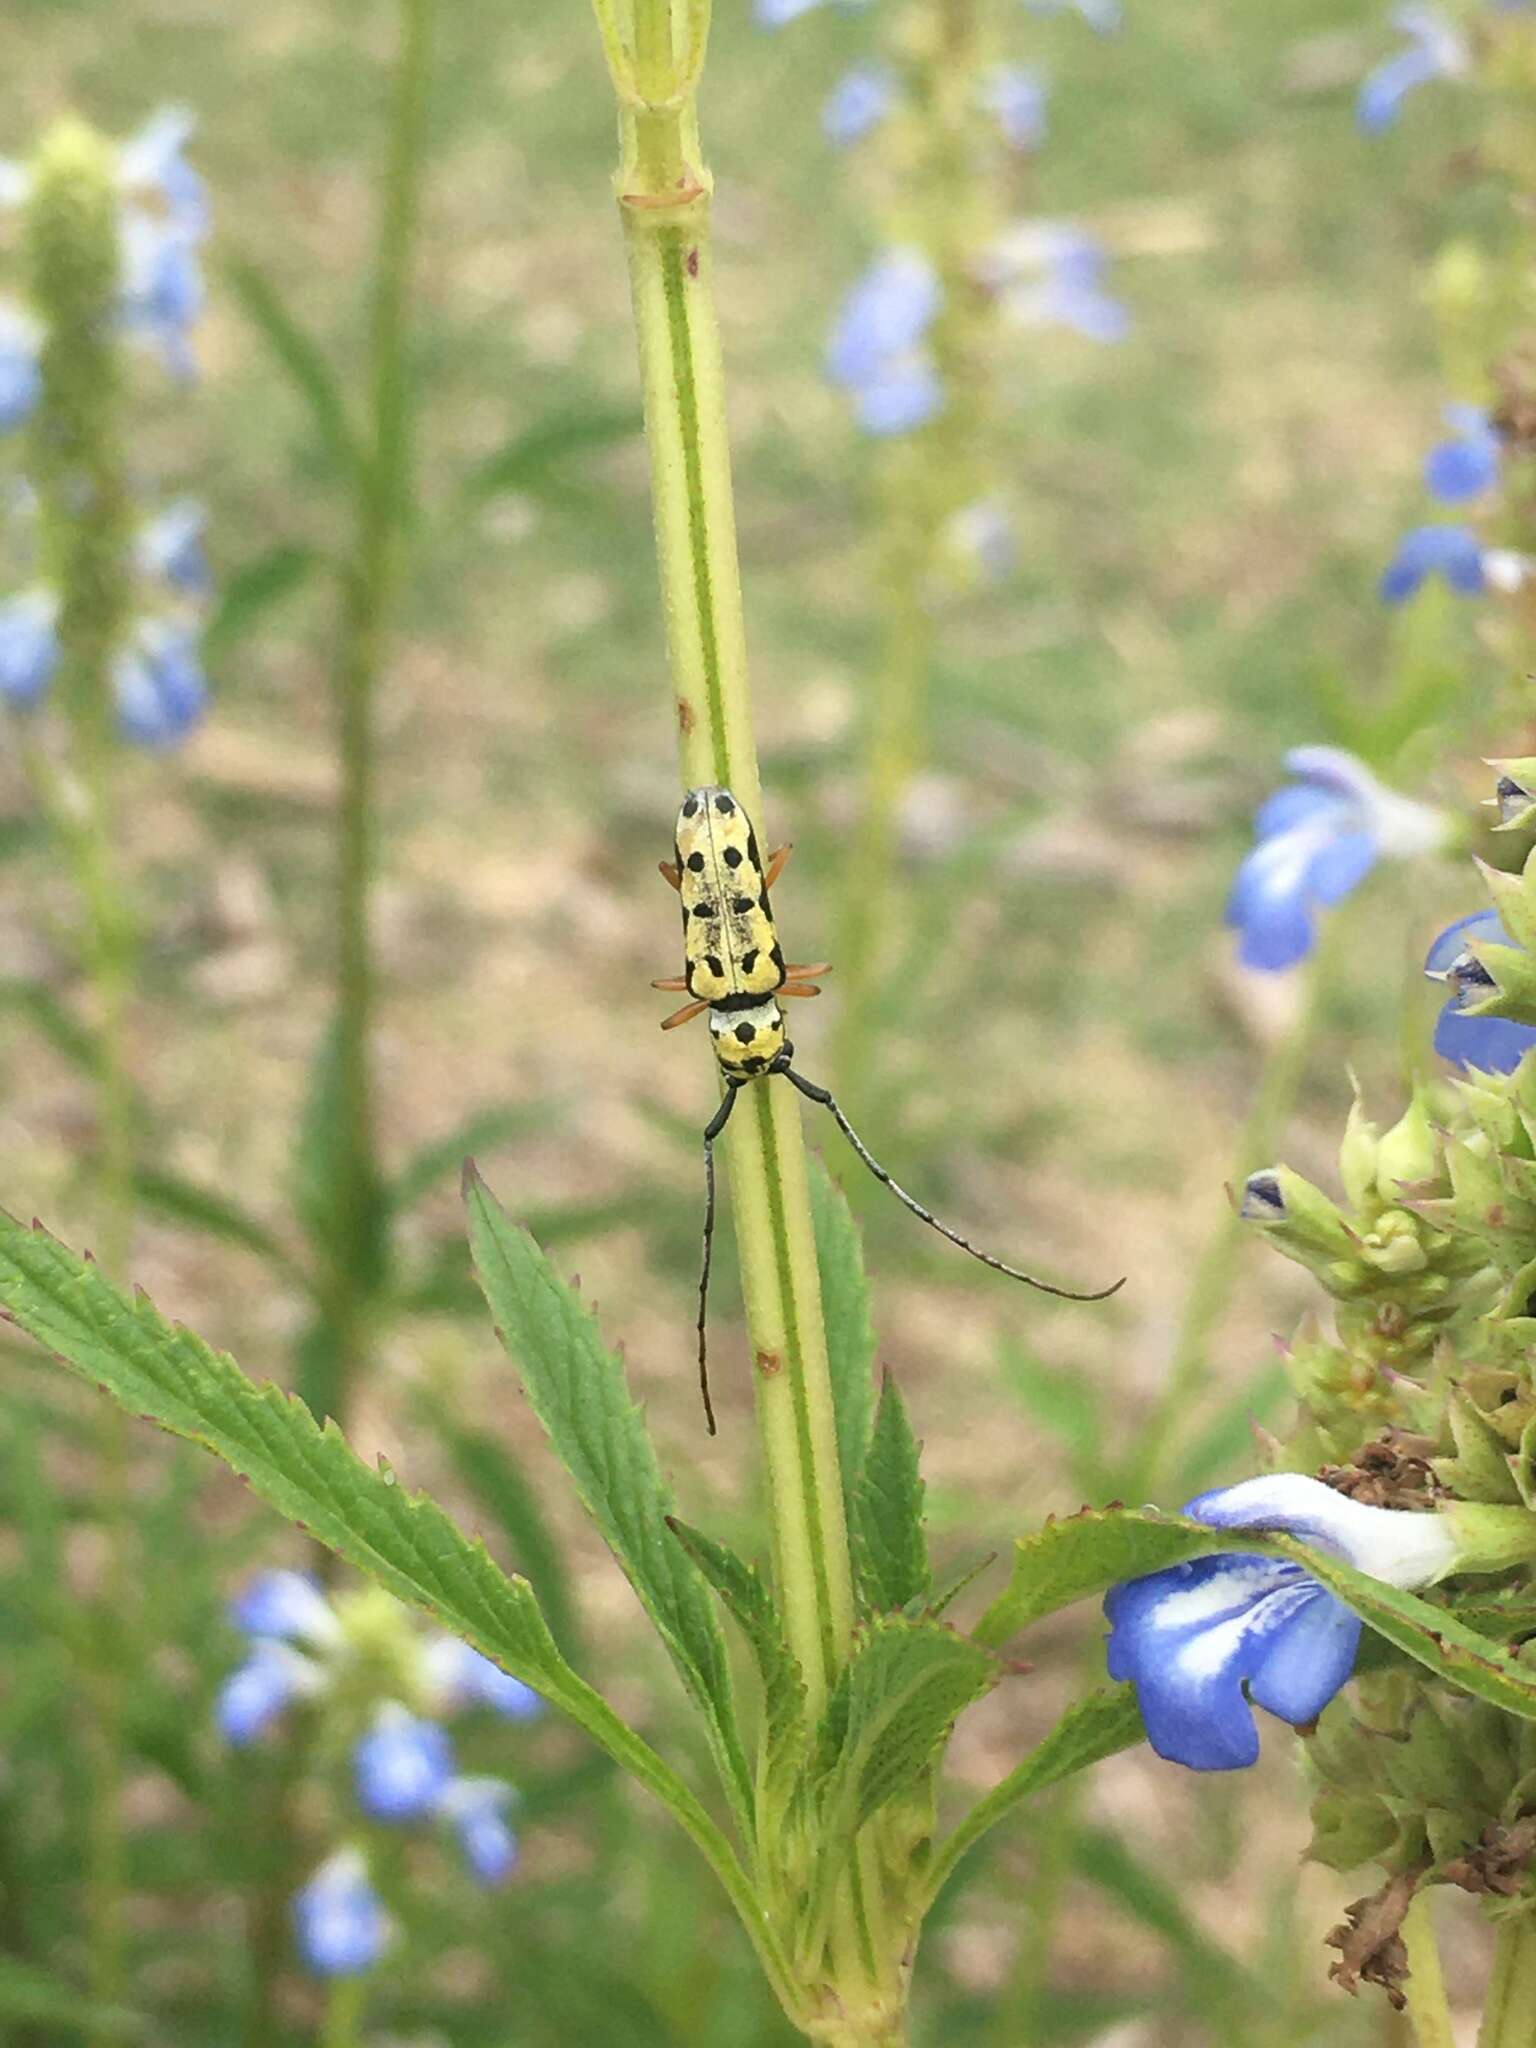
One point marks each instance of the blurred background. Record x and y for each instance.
(1064, 1052)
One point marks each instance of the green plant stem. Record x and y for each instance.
(342, 2026)
(372, 582)
(663, 196)
(1425, 1986)
(1210, 1288)
(1509, 2016)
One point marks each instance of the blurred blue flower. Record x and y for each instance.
(1490, 1045)
(162, 287)
(460, 1677)
(1467, 464)
(1052, 275)
(777, 13)
(159, 682)
(21, 378)
(476, 1810)
(984, 533)
(1102, 16)
(1451, 552)
(857, 104)
(1016, 98)
(1206, 1642)
(1318, 839)
(289, 1605)
(152, 166)
(876, 349)
(170, 548)
(259, 1690)
(402, 1766)
(339, 1918)
(1435, 48)
(29, 646)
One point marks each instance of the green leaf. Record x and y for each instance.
(1067, 1405)
(481, 1131)
(1217, 1980)
(341, 1219)
(850, 1333)
(302, 362)
(1228, 1436)
(495, 1479)
(28, 1993)
(752, 1607)
(1090, 1730)
(890, 1714)
(579, 1393)
(531, 458)
(71, 1039)
(167, 1376)
(252, 590)
(889, 1547)
(214, 1213)
(1090, 1552)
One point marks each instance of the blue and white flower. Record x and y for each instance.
(1434, 48)
(170, 549)
(29, 647)
(779, 13)
(1016, 99)
(857, 104)
(258, 1692)
(1206, 1642)
(877, 350)
(152, 169)
(402, 1766)
(342, 1927)
(1486, 1045)
(21, 377)
(1317, 839)
(458, 1676)
(159, 683)
(982, 534)
(289, 1606)
(476, 1809)
(1453, 553)
(1048, 274)
(1467, 463)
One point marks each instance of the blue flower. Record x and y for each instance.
(339, 1918)
(476, 1809)
(151, 166)
(1435, 49)
(857, 104)
(160, 686)
(402, 1766)
(1051, 275)
(162, 287)
(259, 1690)
(1490, 1045)
(1206, 1642)
(170, 548)
(1016, 98)
(876, 350)
(287, 1605)
(29, 647)
(1102, 16)
(777, 13)
(1451, 552)
(460, 1677)
(1468, 463)
(1318, 839)
(984, 534)
(21, 378)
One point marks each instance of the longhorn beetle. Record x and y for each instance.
(737, 972)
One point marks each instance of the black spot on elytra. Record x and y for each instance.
(749, 960)
(746, 1033)
(696, 863)
(754, 1065)
(690, 806)
(752, 848)
(724, 804)
(741, 905)
(715, 968)
(777, 956)
(732, 857)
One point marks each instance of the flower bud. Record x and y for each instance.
(1514, 795)
(1409, 1153)
(1303, 1223)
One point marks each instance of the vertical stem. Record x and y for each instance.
(369, 601)
(1425, 1987)
(342, 2026)
(1509, 2017)
(663, 194)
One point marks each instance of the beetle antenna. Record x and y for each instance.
(827, 1101)
(716, 1125)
